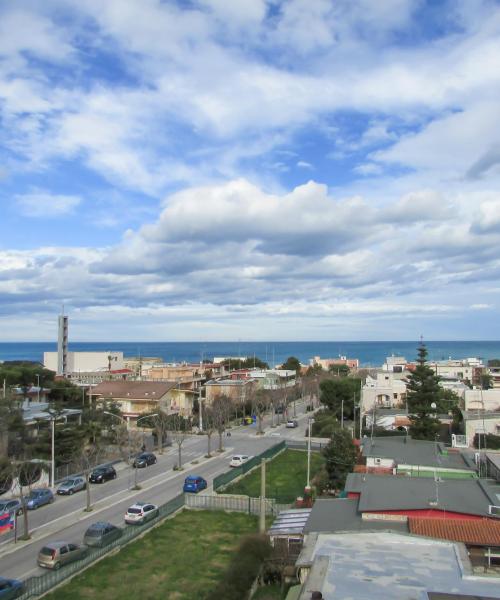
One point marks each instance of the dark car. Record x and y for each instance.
(144, 459)
(101, 534)
(39, 497)
(194, 484)
(102, 474)
(10, 506)
(10, 588)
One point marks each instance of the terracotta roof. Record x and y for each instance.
(483, 532)
(137, 390)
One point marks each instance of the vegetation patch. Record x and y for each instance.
(286, 477)
(179, 559)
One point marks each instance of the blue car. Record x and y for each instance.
(37, 498)
(10, 588)
(194, 484)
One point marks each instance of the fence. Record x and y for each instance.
(222, 480)
(233, 503)
(35, 586)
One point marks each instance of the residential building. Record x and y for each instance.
(395, 364)
(326, 363)
(388, 566)
(494, 372)
(480, 422)
(141, 397)
(89, 378)
(403, 455)
(482, 400)
(388, 418)
(397, 498)
(239, 391)
(493, 465)
(386, 389)
(267, 379)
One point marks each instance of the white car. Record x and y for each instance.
(292, 423)
(140, 512)
(238, 460)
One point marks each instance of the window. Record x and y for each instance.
(395, 395)
(72, 547)
(63, 550)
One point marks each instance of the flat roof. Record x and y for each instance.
(391, 566)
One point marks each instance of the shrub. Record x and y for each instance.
(243, 569)
(489, 441)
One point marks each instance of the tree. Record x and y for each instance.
(221, 410)
(260, 404)
(422, 392)
(339, 370)
(208, 428)
(486, 381)
(86, 460)
(178, 426)
(340, 455)
(340, 395)
(292, 364)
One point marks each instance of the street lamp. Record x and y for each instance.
(53, 417)
(38, 387)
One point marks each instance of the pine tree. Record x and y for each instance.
(340, 455)
(422, 390)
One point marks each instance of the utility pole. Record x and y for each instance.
(262, 516)
(342, 414)
(309, 451)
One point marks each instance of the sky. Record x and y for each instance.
(255, 170)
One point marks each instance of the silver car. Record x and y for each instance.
(10, 506)
(56, 554)
(70, 486)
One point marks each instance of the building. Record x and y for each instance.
(89, 378)
(387, 389)
(388, 418)
(482, 400)
(403, 455)
(326, 363)
(267, 379)
(494, 373)
(142, 397)
(76, 362)
(493, 465)
(481, 423)
(465, 369)
(389, 566)
(62, 347)
(398, 498)
(239, 391)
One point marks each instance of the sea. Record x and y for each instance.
(370, 354)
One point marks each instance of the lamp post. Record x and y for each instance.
(38, 387)
(309, 451)
(53, 418)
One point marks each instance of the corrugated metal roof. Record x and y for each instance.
(484, 532)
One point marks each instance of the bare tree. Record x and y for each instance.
(178, 426)
(221, 411)
(208, 428)
(161, 425)
(87, 460)
(260, 403)
(25, 473)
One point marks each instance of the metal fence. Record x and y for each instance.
(233, 503)
(36, 586)
(222, 480)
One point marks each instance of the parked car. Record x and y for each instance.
(11, 506)
(57, 554)
(140, 512)
(39, 497)
(292, 423)
(238, 459)
(102, 474)
(194, 484)
(70, 486)
(101, 534)
(144, 459)
(10, 588)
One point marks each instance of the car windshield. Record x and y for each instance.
(134, 511)
(46, 551)
(99, 471)
(3, 506)
(68, 483)
(190, 479)
(34, 494)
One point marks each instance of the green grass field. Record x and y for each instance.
(182, 559)
(286, 476)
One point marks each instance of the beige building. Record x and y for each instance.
(238, 390)
(483, 400)
(136, 398)
(487, 423)
(85, 361)
(383, 390)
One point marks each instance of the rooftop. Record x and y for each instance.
(482, 532)
(389, 566)
(405, 450)
(138, 390)
(391, 493)
(290, 522)
(341, 515)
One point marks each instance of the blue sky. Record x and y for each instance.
(259, 169)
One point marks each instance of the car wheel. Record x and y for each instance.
(57, 566)
(51, 500)
(19, 512)
(114, 475)
(70, 492)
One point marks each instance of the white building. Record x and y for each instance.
(85, 361)
(483, 423)
(385, 390)
(483, 400)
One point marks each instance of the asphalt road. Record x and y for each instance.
(66, 520)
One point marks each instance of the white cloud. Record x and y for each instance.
(44, 205)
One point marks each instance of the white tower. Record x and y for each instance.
(62, 346)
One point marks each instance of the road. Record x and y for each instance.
(66, 520)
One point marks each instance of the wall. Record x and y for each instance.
(482, 399)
